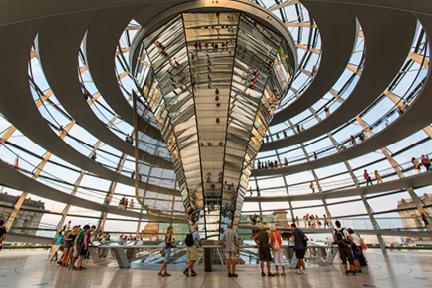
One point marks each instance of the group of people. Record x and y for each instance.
(311, 221)
(123, 237)
(75, 242)
(126, 204)
(424, 161)
(192, 241)
(368, 178)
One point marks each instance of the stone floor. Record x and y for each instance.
(31, 269)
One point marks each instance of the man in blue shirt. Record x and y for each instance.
(300, 242)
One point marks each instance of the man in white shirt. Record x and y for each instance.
(231, 242)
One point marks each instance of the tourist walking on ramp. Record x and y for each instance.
(192, 241)
(262, 240)
(231, 243)
(168, 245)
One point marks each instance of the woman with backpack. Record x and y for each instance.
(168, 241)
(276, 246)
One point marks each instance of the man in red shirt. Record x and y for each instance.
(367, 177)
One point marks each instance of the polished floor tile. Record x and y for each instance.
(31, 269)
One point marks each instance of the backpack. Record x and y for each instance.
(189, 240)
(340, 238)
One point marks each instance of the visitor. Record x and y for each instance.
(326, 111)
(67, 227)
(262, 240)
(300, 245)
(168, 245)
(416, 164)
(231, 243)
(84, 246)
(353, 140)
(311, 186)
(297, 221)
(378, 177)
(276, 246)
(355, 242)
(192, 241)
(367, 178)
(2, 233)
(56, 247)
(68, 246)
(425, 161)
(341, 238)
(131, 204)
(326, 221)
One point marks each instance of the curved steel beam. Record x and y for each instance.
(100, 47)
(59, 42)
(388, 37)
(336, 50)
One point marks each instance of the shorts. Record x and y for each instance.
(346, 255)
(278, 257)
(192, 253)
(167, 254)
(83, 252)
(300, 253)
(230, 255)
(55, 248)
(68, 244)
(264, 254)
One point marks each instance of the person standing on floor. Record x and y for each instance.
(262, 240)
(276, 246)
(300, 245)
(356, 249)
(2, 233)
(231, 242)
(192, 241)
(341, 238)
(168, 244)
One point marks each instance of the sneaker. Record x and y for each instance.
(193, 273)
(186, 272)
(263, 274)
(234, 275)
